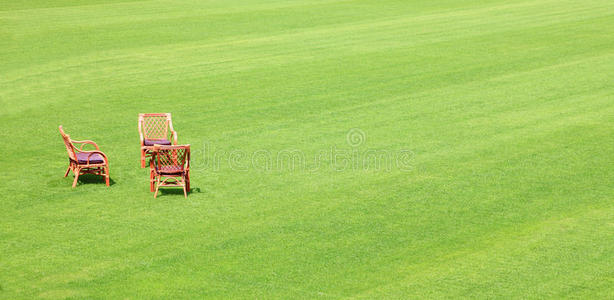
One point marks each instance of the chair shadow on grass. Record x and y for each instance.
(176, 191)
(92, 179)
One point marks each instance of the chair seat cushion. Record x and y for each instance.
(151, 142)
(94, 159)
(170, 170)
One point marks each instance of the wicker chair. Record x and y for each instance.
(84, 162)
(170, 166)
(155, 129)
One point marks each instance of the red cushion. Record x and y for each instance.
(170, 170)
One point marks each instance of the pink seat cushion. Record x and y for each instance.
(94, 158)
(151, 142)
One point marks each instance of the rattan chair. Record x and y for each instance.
(84, 162)
(155, 129)
(170, 167)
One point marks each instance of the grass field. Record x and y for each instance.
(506, 109)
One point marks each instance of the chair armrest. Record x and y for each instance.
(106, 160)
(174, 137)
(142, 139)
(83, 143)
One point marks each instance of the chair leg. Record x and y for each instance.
(185, 193)
(152, 179)
(142, 159)
(106, 177)
(67, 171)
(187, 181)
(157, 186)
(74, 183)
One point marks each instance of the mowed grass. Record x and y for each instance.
(507, 109)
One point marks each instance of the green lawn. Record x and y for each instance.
(503, 109)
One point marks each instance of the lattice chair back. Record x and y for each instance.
(70, 148)
(155, 126)
(172, 159)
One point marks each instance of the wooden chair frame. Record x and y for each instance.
(176, 157)
(88, 167)
(158, 126)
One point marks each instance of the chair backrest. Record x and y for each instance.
(70, 148)
(171, 158)
(155, 126)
